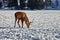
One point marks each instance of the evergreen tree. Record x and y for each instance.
(35, 4)
(22, 4)
(12, 3)
(57, 3)
(48, 2)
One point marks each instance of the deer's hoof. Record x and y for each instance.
(14, 26)
(28, 27)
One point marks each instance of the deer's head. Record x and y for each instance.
(28, 24)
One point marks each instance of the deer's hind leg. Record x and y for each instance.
(18, 22)
(15, 22)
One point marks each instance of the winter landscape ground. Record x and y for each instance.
(45, 25)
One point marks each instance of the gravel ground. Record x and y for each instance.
(29, 34)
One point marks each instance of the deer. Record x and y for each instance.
(21, 16)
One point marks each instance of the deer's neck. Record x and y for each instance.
(26, 19)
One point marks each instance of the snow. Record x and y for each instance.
(45, 25)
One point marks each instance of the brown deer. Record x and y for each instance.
(23, 17)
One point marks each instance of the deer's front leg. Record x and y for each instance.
(15, 22)
(22, 23)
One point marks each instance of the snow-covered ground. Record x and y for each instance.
(45, 25)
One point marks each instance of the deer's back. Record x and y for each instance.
(20, 14)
